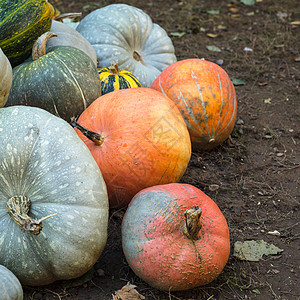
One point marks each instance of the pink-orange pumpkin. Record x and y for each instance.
(175, 237)
(138, 138)
(206, 98)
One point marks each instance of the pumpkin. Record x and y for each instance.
(63, 81)
(206, 97)
(10, 285)
(138, 138)
(175, 237)
(68, 36)
(53, 200)
(126, 35)
(113, 78)
(21, 23)
(5, 78)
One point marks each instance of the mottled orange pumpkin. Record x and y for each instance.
(175, 237)
(138, 138)
(206, 98)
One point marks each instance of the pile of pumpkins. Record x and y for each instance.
(98, 117)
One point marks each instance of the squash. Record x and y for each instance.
(138, 138)
(53, 200)
(21, 23)
(63, 81)
(67, 36)
(175, 237)
(10, 285)
(206, 97)
(113, 79)
(126, 35)
(5, 78)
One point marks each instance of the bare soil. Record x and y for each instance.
(254, 175)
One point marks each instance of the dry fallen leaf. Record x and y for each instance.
(212, 35)
(128, 292)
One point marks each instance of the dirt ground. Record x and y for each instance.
(254, 175)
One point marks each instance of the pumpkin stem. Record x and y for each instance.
(18, 208)
(137, 56)
(39, 47)
(192, 224)
(67, 15)
(114, 68)
(97, 138)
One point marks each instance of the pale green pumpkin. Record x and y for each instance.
(10, 285)
(45, 167)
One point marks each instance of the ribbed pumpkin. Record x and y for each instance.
(10, 286)
(206, 98)
(175, 237)
(53, 200)
(21, 23)
(5, 78)
(63, 81)
(113, 79)
(127, 35)
(138, 138)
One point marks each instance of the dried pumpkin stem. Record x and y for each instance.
(136, 56)
(18, 208)
(39, 47)
(114, 68)
(97, 138)
(192, 226)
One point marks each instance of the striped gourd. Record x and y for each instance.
(21, 23)
(206, 97)
(113, 79)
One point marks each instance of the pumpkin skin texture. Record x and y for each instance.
(68, 36)
(63, 81)
(144, 141)
(126, 35)
(113, 79)
(43, 160)
(21, 23)
(5, 78)
(156, 247)
(10, 285)
(206, 98)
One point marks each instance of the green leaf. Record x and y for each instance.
(254, 250)
(256, 291)
(236, 81)
(213, 11)
(213, 48)
(248, 2)
(179, 34)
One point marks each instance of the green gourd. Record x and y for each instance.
(64, 80)
(21, 23)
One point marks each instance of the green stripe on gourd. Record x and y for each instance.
(21, 23)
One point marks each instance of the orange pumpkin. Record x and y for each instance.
(205, 96)
(175, 237)
(138, 138)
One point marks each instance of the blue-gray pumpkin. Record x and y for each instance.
(53, 200)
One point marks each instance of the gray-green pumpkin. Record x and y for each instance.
(53, 199)
(10, 286)
(68, 36)
(63, 81)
